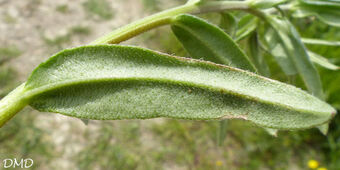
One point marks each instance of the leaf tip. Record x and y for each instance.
(85, 121)
(272, 132)
(323, 128)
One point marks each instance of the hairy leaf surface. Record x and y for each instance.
(108, 82)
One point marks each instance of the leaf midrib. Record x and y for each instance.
(34, 92)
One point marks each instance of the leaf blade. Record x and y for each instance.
(206, 41)
(297, 52)
(246, 26)
(275, 46)
(320, 42)
(119, 82)
(318, 59)
(326, 10)
(256, 56)
(228, 23)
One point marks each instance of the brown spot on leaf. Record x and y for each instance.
(234, 117)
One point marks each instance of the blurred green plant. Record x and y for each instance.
(57, 41)
(61, 40)
(7, 80)
(23, 138)
(95, 154)
(62, 8)
(7, 74)
(100, 8)
(9, 52)
(151, 5)
(9, 19)
(80, 30)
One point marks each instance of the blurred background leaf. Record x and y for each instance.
(328, 11)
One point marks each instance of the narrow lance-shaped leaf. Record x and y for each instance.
(246, 26)
(328, 11)
(320, 42)
(298, 54)
(266, 3)
(332, 81)
(107, 82)
(208, 42)
(318, 59)
(228, 23)
(193, 1)
(222, 132)
(256, 56)
(275, 46)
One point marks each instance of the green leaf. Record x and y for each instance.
(275, 46)
(287, 65)
(85, 121)
(322, 61)
(323, 128)
(208, 42)
(193, 1)
(320, 42)
(109, 82)
(331, 80)
(328, 11)
(266, 3)
(256, 56)
(246, 26)
(297, 52)
(272, 132)
(222, 132)
(228, 23)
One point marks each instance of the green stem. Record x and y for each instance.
(222, 132)
(164, 18)
(12, 104)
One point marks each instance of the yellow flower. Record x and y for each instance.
(220, 163)
(322, 168)
(313, 164)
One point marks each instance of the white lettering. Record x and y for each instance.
(7, 165)
(19, 164)
(28, 160)
(22, 163)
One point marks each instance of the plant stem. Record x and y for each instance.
(164, 18)
(12, 104)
